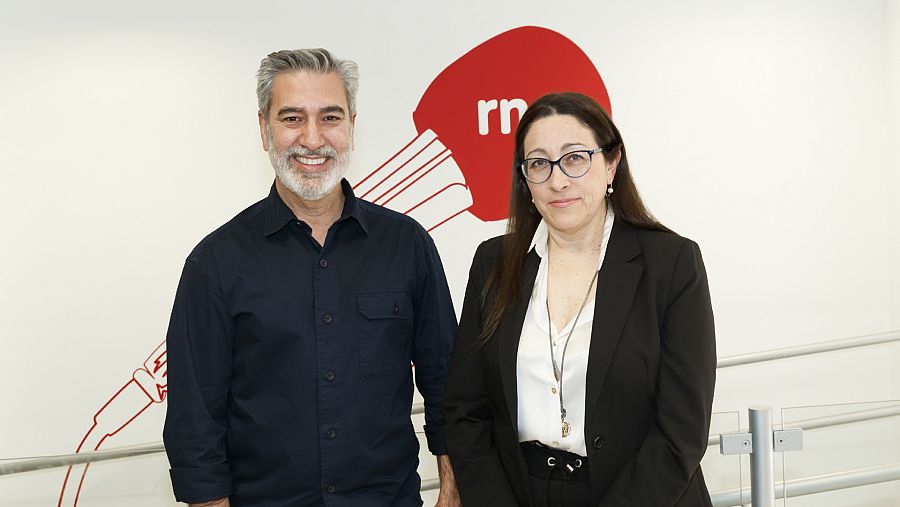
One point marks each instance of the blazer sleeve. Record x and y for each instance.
(473, 452)
(662, 469)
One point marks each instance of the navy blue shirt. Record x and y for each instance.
(289, 363)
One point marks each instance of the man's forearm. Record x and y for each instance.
(445, 470)
(448, 495)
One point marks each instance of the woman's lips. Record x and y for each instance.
(562, 203)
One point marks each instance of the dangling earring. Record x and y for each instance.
(609, 189)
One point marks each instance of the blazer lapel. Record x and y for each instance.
(509, 331)
(616, 287)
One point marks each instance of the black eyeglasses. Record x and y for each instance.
(574, 164)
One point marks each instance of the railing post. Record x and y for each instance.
(762, 458)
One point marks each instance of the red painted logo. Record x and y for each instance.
(462, 159)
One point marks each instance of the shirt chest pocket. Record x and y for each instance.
(385, 332)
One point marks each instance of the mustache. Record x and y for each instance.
(321, 151)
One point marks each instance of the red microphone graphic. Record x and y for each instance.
(147, 386)
(462, 158)
(460, 161)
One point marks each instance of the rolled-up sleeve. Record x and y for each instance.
(199, 343)
(435, 329)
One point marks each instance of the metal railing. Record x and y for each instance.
(765, 443)
(759, 425)
(814, 485)
(812, 348)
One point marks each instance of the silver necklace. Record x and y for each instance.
(558, 371)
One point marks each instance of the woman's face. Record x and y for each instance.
(568, 205)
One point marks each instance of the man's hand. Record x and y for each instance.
(222, 502)
(449, 495)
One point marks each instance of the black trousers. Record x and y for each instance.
(558, 478)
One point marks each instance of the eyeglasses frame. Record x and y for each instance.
(558, 162)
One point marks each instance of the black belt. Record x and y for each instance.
(549, 463)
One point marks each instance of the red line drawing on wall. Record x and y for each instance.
(147, 386)
(461, 160)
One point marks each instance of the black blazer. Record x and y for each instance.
(650, 380)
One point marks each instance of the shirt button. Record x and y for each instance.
(327, 318)
(332, 433)
(396, 308)
(598, 442)
(330, 376)
(323, 263)
(553, 390)
(332, 488)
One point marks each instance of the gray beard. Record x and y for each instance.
(308, 186)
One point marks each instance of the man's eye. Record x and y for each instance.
(290, 119)
(332, 118)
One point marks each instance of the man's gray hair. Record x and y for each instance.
(317, 60)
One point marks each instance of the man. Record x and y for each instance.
(295, 324)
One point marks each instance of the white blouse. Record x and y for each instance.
(538, 401)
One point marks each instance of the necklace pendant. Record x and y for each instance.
(566, 429)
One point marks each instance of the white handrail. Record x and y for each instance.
(815, 484)
(63, 460)
(805, 350)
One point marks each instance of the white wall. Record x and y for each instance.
(892, 65)
(764, 130)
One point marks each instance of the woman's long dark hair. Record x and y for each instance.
(503, 284)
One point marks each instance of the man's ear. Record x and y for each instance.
(352, 130)
(262, 130)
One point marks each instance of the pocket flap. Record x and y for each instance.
(385, 304)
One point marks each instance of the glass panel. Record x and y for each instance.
(862, 438)
(723, 474)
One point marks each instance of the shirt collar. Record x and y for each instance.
(539, 241)
(278, 214)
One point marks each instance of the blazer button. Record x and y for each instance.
(598, 442)
(327, 318)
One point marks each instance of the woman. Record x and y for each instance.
(584, 367)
